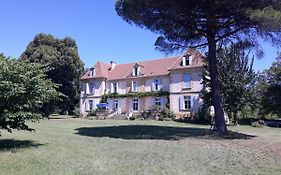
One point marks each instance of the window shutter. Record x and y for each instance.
(131, 105)
(87, 107)
(133, 73)
(186, 80)
(162, 101)
(117, 87)
(138, 71)
(181, 102)
(160, 85)
(192, 102)
(111, 88)
(93, 88)
(183, 61)
(153, 87)
(139, 104)
(132, 86)
(190, 60)
(87, 88)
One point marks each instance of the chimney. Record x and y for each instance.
(113, 64)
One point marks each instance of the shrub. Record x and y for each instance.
(92, 113)
(259, 124)
(132, 118)
(76, 111)
(203, 117)
(158, 113)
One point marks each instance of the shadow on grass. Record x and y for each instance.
(156, 132)
(12, 144)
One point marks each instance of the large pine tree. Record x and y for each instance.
(199, 23)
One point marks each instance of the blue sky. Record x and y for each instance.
(99, 32)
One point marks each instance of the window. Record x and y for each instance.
(91, 105)
(136, 70)
(114, 87)
(186, 60)
(134, 86)
(92, 72)
(187, 102)
(158, 101)
(92, 88)
(115, 105)
(186, 80)
(135, 104)
(157, 85)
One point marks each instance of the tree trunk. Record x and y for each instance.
(220, 125)
(235, 119)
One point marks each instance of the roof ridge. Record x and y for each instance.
(157, 59)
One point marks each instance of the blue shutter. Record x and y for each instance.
(137, 87)
(191, 102)
(131, 105)
(186, 80)
(181, 103)
(162, 101)
(139, 104)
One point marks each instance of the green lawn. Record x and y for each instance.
(81, 146)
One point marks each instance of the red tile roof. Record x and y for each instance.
(197, 60)
(101, 71)
(149, 68)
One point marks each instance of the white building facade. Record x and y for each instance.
(172, 82)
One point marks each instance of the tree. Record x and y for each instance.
(200, 23)
(270, 89)
(24, 88)
(236, 78)
(61, 58)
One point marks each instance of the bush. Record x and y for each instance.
(132, 118)
(158, 113)
(259, 124)
(203, 117)
(76, 112)
(92, 113)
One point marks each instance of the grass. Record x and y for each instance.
(81, 146)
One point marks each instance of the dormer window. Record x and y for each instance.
(186, 60)
(136, 70)
(92, 71)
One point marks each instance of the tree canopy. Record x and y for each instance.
(61, 58)
(271, 89)
(199, 23)
(24, 88)
(237, 80)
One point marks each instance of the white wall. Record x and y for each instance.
(177, 80)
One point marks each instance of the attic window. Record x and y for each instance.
(92, 71)
(186, 60)
(136, 70)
